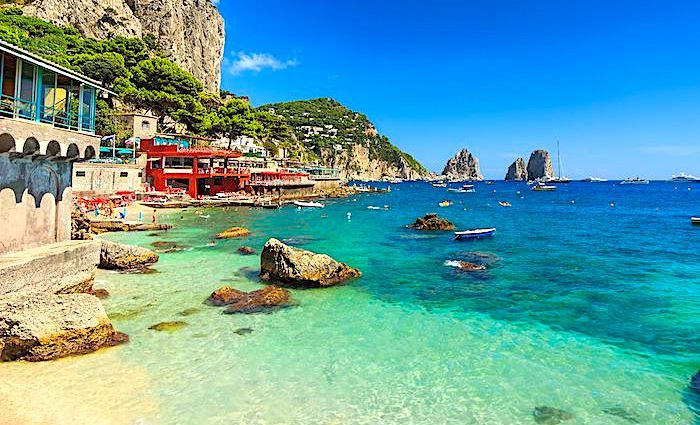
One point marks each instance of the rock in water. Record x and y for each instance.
(225, 295)
(517, 171)
(39, 326)
(432, 222)
(80, 226)
(300, 268)
(267, 299)
(246, 250)
(463, 166)
(233, 232)
(695, 382)
(168, 326)
(546, 415)
(540, 165)
(116, 256)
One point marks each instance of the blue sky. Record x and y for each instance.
(617, 82)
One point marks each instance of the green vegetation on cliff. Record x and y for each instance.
(326, 124)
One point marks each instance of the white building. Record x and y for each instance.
(243, 144)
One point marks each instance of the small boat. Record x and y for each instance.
(467, 186)
(685, 178)
(440, 184)
(372, 207)
(505, 204)
(541, 187)
(305, 204)
(475, 233)
(445, 203)
(635, 180)
(594, 180)
(695, 220)
(489, 182)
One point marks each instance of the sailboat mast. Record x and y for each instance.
(558, 159)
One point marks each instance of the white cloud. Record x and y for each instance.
(256, 62)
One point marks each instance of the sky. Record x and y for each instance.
(616, 82)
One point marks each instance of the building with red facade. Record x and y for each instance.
(174, 164)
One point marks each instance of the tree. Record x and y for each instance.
(103, 67)
(231, 120)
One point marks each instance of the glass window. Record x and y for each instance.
(61, 104)
(48, 95)
(25, 94)
(8, 84)
(87, 108)
(73, 105)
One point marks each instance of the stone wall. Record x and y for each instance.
(104, 178)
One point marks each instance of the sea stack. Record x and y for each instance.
(517, 171)
(463, 166)
(540, 165)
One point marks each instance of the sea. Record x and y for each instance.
(588, 312)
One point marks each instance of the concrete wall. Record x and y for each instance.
(142, 126)
(72, 144)
(104, 178)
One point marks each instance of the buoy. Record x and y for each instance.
(349, 215)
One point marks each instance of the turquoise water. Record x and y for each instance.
(585, 307)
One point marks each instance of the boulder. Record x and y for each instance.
(246, 250)
(263, 300)
(546, 415)
(432, 222)
(233, 232)
(463, 166)
(116, 256)
(100, 293)
(80, 227)
(471, 267)
(300, 268)
(225, 295)
(517, 171)
(168, 326)
(540, 165)
(40, 326)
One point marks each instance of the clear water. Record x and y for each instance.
(585, 307)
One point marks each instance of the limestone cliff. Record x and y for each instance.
(517, 171)
(334, 136)
(190, 32)
(540, 165)
(463, 166)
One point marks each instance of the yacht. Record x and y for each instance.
(594, 180)
(635, 180)
(541, 187)
(685, 178)
(559, 179)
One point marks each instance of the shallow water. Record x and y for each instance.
(585, 307)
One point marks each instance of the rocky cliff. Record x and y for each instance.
(517, 171)
(337, 137)
(540, 165)
(463, 166)
(190, 32)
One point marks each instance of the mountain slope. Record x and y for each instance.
(346, 140)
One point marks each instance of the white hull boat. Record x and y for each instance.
(475, 233)
(305, 204)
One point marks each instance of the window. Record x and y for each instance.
(178, 162)
(48, 96)
(145, 125)
(140, 174)
(124, 174)
(87, 109)
(80, 174)
(218, 181)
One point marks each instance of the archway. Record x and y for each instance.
(31, 146)
(73, 151)
(53, 149)
(7, 143)
(89, 152)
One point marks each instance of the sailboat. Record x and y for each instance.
(559, 178)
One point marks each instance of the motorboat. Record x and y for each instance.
(695, 220)
(541, 187)
(457, 190)
(505, 204)
(594, 180)
(475, 233)
(685, 178)
(635, 180)
(445, 203)
(467, 186)
(308, 204)
(440, 184)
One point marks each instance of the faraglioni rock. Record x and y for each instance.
(540, 165)
(296, 267)
(117, 256)
(432, 221)
(41, 326)
(190, 32)
(517, 171)
(463, 166)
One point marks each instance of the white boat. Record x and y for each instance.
(695, 220)
(541, 187)
(441, 184)
(635, 180)
(305, 204)
(475, 233)
(594, 180)
(456, 190)
(685, 178)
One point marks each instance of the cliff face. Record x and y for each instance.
(190, 32)
(346, 140)
(517, 171)
(463, 166)
(540, 165)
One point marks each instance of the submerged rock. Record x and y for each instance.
(225, 295)
(263, 300)
(168, 326)
(116, 256)
(550, 415)
(432, 222)
(243, 331)
(246, 250)
(99, 293)
(37, 326)
(188, 312)
(300, 268)
(623, 413)
(466, 266)
(233, 232)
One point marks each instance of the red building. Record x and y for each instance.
(174, 165)
(275, 181)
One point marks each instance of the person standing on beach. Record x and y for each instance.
(154, 217)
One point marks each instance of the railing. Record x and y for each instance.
(19, 108)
